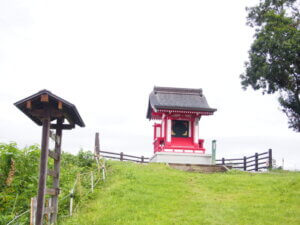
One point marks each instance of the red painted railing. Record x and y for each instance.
(161, 146)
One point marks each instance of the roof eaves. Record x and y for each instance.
(45, 91)
(186, 108)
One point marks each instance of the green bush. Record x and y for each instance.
(19, 178)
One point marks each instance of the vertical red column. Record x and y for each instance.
(154, 134)
(168, 126)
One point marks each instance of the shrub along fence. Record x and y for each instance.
(79, 177)
(88, 179)
(255, 162)
(124, 157)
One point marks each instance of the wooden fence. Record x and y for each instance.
(124, 157)
(255, 162)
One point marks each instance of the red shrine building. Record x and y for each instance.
(179, 111)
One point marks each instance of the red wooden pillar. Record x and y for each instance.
(168, 128)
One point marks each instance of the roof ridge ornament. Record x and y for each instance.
(176, 90)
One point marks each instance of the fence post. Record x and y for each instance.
(32, 211)
(270, 159)
(245, 163)
(92, 181)
(71, 201)
(213, 151)
(223, 161)
(121, 156)
(48, 212)
(103, 173)
(98, 164)
(97, 145)
(256, 161)
(142, 159)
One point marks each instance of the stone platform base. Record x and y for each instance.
(181, 158)
(199, 168)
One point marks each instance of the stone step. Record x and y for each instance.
(199, 168)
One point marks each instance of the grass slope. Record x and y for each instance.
(155, 194)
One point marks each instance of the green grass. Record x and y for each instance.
(155, 194)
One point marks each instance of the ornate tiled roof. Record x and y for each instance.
(170, 98)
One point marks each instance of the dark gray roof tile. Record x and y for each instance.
(177, 99)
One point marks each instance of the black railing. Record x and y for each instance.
(255, 162)
(124, 157)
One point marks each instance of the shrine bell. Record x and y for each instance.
(179, 111)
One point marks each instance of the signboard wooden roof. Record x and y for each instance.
(34, 107)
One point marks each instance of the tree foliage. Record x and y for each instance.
(274, 56)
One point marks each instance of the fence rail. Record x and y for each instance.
(124, 157)
(255, 163)
(250, 163)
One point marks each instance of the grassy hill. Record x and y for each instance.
(156, 194)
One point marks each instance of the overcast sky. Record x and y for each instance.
(106, 56)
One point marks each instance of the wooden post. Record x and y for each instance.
(213, 151)
(256, 161)
(54, 201)
(43, 170)
(97, 151)
(223, 161)
(97, 145)
(121, 156)
(32, 211)
(270, 159)
(71, 201)
(142, 159)
(43, 107)
(245, 163)
(92, 181)
(103, 173)
(98, 164)
(48, 212)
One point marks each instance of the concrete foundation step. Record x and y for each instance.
(199, 168)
